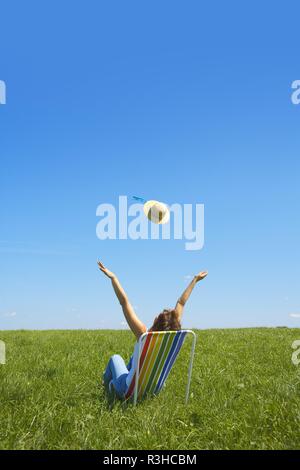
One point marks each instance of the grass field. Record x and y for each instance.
(245, 393)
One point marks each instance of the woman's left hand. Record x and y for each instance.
(105, 270)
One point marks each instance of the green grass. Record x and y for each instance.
(245, 393)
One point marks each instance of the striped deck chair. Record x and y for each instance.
(158, 351)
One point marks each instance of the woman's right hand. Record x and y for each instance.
(105, 270)
(201, 276)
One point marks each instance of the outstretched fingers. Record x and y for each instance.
(101, 265)
(201, 275)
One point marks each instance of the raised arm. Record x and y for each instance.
(134, 323)
(186, 294)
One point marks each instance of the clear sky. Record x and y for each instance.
(186, 102)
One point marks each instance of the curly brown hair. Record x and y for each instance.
(166, 321)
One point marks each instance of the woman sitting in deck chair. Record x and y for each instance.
(117, 374)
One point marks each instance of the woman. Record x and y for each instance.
(119, 375)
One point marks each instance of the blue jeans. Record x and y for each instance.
(116, 372)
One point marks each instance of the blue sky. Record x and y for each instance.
(185, 102)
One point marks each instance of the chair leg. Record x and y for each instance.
(137, 372)
(190, 369)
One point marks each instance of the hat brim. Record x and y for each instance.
(147, 207)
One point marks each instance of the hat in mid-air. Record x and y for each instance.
(157, 212)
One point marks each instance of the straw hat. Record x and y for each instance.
(157, 212)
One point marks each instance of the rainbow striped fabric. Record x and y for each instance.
(158, 352)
